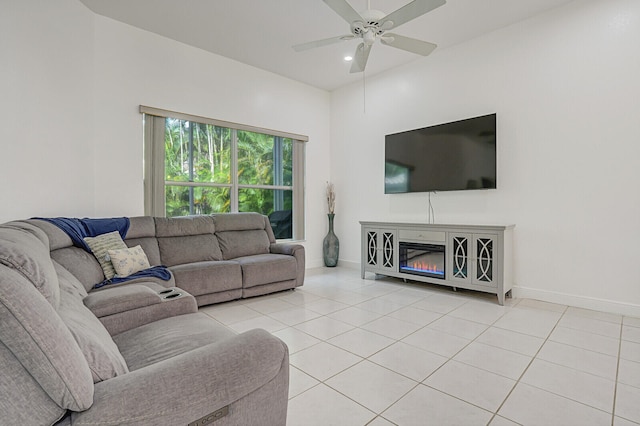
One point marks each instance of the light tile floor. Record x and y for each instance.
(383, 352)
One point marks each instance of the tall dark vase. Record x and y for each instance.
(330, 245)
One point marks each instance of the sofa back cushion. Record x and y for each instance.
(25, 248)
(57, 237)
(241, 234)
(243, 243)
(22, 400)
(142, 232)
(83, 265)
(97, 346)
(36, 335)
(185, 240)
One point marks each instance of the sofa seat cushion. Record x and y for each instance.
(164, 339)
(200, 278)
(249, 373)
(267, 268)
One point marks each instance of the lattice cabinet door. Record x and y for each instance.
(485, 268)
(388, 249)
(460, 255)
(380, 245)
(371, 245)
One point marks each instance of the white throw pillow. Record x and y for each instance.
(129, 261)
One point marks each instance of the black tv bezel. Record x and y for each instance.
(435, 126)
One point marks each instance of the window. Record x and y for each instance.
(195, 165)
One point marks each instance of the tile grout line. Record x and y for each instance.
(450, 359)
(615, 388)
(564, 313)
(533, 358)
(417, 383)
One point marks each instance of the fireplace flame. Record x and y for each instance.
(424, 266)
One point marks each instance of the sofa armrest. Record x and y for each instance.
(285, 248)
(295, 250)
(190, 386)
(122, 308)
(120, 299)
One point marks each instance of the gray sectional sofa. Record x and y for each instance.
(139, 352)
(213, 258)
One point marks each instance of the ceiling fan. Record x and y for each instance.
(372, 25)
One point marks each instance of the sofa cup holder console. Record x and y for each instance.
(170, 294)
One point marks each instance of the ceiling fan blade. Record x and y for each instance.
(360, 58)
(324, 42)
(412, 45)
(344, 9)
(410, 11)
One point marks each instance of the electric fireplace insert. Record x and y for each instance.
(427, 260)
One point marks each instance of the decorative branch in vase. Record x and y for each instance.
(331, 244)
(331, 198)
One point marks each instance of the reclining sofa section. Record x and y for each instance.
(62, 365)
(215, 258)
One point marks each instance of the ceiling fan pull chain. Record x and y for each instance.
(364, 93)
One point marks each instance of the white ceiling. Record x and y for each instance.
(261, 32)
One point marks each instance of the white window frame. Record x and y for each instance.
(154, 161)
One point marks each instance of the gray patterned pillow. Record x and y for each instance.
(100, 247)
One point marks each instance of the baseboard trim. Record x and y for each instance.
(592, 303)
(602, 305)
(313, 264)
(349, 264)
(319, 263)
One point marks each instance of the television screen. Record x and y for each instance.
(447, 157)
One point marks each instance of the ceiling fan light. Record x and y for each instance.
(369, 38)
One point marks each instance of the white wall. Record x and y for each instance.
(46, 118)
(72, 82)
(565, 88)
(135, 67)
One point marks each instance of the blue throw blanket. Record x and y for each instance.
(155, 271)
(78, 229)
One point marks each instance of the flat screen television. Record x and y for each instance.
(455, 156)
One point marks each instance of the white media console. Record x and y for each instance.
(475, 257)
